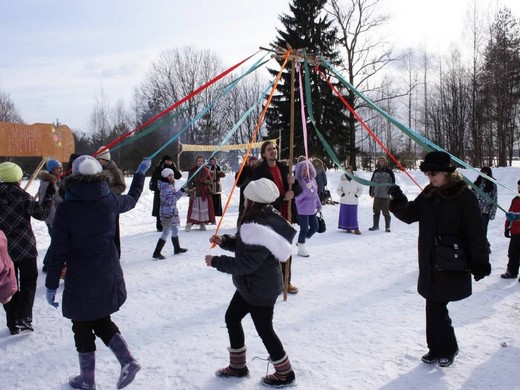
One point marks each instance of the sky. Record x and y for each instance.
(357, 322)
(58, 57)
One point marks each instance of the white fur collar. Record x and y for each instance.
(256, 234)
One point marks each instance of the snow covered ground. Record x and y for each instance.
(357, 322)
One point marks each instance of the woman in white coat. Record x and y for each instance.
(349, 191)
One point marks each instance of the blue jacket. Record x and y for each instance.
(169, 197)
(83, 238)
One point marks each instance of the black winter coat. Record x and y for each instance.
(83, 238)
(260, 245)
(452, 210)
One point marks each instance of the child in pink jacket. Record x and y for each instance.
(8, 285)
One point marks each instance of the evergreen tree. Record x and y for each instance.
(308, 28)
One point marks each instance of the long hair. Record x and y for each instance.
(252, 211)
(488, 186)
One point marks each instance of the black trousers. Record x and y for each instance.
(262, 317)
(21, 304)
(85, 333)
(513, 253)
(440, 335)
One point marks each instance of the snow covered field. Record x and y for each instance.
(357, 322)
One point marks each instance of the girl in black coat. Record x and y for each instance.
(445, 209)
(264, 239)
(83, 237)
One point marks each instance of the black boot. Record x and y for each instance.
(387, 223)
(376, 223)
(177, 247)
(158, 248)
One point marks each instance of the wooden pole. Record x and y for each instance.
(291, 157)
(35, 173)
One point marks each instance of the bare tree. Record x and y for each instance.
(8, 110)
(364, 51)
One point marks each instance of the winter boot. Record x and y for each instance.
(237, 364)
(388, 218)
(376, 223)
(302, 251)
(129, 366)
(188, 227)
(283, 376)
(177, 247)
(158, 248)
(203, 227)
(87, 365)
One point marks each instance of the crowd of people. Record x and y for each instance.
(81, 211)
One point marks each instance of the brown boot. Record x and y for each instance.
(237, 364)
(283, 376)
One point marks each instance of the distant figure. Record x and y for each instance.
(200, 210)
(245, 177)
(169, 213)
(512, 231)
(116, 183)
(321, 178)
(216, 187)
(263, 240)
(349, 191)
(166, 162)
(83, 238)
(16, 209)
(488, 208)
(307, 203)
(50, 177)
(382, 174)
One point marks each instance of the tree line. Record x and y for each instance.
(467, 104)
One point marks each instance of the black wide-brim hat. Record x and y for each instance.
(437, 162)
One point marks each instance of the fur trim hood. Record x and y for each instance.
(263, 235)
(46, 176)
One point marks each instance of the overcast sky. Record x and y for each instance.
(57, 55)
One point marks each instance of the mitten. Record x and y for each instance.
(510, 216)
(399, 200)
(51, 189)
(51, 295)
(480, 270)
(144, 166)
(507, 233)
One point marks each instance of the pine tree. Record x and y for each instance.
(308, 28)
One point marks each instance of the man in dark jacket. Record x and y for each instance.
(274, 170)
(381, 175)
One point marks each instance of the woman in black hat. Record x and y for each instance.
(450, 227)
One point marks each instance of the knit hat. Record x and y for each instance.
(53, 164)
(86, 165)
(437, 161)
(166, 172)
(105, 155)
(10, 172)
(262, 191)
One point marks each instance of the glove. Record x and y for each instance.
(480, 270)
(507, 233)
(51, 295)
(51, 189)
(183, 190)
(144, 166)
(510, 216)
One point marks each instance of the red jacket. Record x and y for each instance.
(515, 207)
